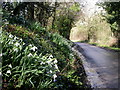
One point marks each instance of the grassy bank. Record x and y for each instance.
(33, 58)
(107, 47)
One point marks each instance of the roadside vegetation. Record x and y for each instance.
(33, 61)
(94, 30)
(37, 54)
(104, 46)
(101, 28)
(36, 50)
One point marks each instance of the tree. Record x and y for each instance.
(62, 14)
(66, 17)
(113, 17)
(33, 11)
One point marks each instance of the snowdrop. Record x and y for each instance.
(29, 55)
(51, 56)
(56, 67)
(49, 61)
(17, 44)
(35, 59)
(20, 40)
(10, 66)
(8, 71)
(55, 61)
(11, 36)
(15, 38)
(10, 42)
(42, 63)
(50, 71)
(16, 49)
(33, 48)
(23, 43)
(54, 77)
(30, 45)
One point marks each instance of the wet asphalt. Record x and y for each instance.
(101, 66)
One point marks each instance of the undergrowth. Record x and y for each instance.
(33, 58)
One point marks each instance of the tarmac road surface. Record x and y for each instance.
(101, 66)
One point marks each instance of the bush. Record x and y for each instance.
(63, 24)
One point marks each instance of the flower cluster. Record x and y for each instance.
(29, 58)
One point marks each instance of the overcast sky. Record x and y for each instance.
(89, 6)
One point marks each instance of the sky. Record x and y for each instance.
(89, 7)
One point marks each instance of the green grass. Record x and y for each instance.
(104, 46)
(113, 48)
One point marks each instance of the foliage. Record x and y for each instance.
(113, 10)
(22, 66)
(113, 17)
(64, 25)
(104, 46)
(65, 19)
(36, 59)
(21, 12)
(75, 7)
(94, 30)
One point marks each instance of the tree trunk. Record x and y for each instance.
(54, 15)
(31, 8)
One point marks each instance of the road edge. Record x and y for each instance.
(94, 78)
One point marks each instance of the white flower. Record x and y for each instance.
(1, 55)
(49, 62)
(33, 48)
(51, 56)
(6, 22)
(23, 43)
(55, 61)
(56, 67)
(15, 38)
(17, 44)
(54, 77)
(21, 40)
(8, 71)
(10, 66)
(42, 63)
(29, 55)
(15, 49)
(30, 45)
(10, 42)
(50, 71)
(11, 36)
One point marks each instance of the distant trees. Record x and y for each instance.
(62, 14)
(34, 11)
(65, 18)
(113, 17)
